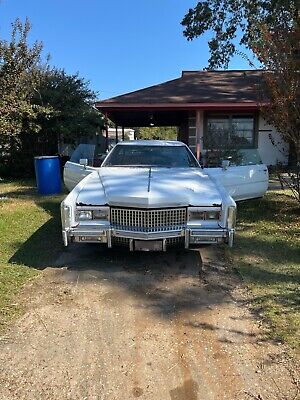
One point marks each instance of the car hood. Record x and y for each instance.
(149, 188)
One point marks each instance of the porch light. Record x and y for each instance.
(151, 120)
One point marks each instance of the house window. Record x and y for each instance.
(230, 131)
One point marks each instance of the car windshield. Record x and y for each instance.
(150, 156)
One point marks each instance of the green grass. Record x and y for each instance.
(267, 256)
(30, 240)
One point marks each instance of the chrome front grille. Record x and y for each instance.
(136, 220)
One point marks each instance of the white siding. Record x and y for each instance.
(270, 153)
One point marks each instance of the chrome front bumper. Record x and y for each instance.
(193, 236)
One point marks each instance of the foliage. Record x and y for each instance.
(72, 102)
(227, 18)
(266, 254)
(280, 88)
(39, 105)
(157, 133)
(280, 91)
(20, 77)
(290, 179)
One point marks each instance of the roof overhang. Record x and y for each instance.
(106, 106)
(164, 114)
(169, 103)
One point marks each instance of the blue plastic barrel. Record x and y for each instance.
(47, 172)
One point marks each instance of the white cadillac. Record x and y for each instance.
(149, 195)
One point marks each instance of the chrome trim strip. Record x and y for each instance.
(131, 244)
(209, 233)
(230, 237)
(146, 235)
(164, 246)
(108, 234)
(186, 238)
(88, 233)
(65, 238)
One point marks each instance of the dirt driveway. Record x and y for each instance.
(106, 325)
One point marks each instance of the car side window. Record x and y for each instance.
(83, 151)
(237, 157)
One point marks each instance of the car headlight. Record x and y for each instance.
(84, 215)
(195, 215)
(231, 217)
(212, 215)
(101, 213)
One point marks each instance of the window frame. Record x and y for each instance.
(230, 115)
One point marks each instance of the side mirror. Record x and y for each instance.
(83, 162)
(225, 164)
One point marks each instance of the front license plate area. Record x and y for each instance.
(148, 245)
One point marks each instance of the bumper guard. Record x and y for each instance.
(105, 235)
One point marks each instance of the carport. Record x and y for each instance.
(185, 102)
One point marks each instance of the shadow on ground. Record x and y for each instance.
(45, 245)
(169, 285)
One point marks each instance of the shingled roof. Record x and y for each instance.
(235, 86)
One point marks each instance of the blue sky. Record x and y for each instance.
(118, 45)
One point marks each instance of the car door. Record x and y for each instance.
(74, 172)
(246, 181)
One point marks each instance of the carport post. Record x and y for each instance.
(199, 133)
(106, 132)
(123, 133)
(117, 137)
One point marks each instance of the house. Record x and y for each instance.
(209, 108)
(114, 135)
(98, 140)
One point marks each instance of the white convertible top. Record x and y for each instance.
(151, 143)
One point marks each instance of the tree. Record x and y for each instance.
(157, 133)
(39, 105)
(280, 87)
(278, 50)
(71, 100)
(20, 76)
(227, 19)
